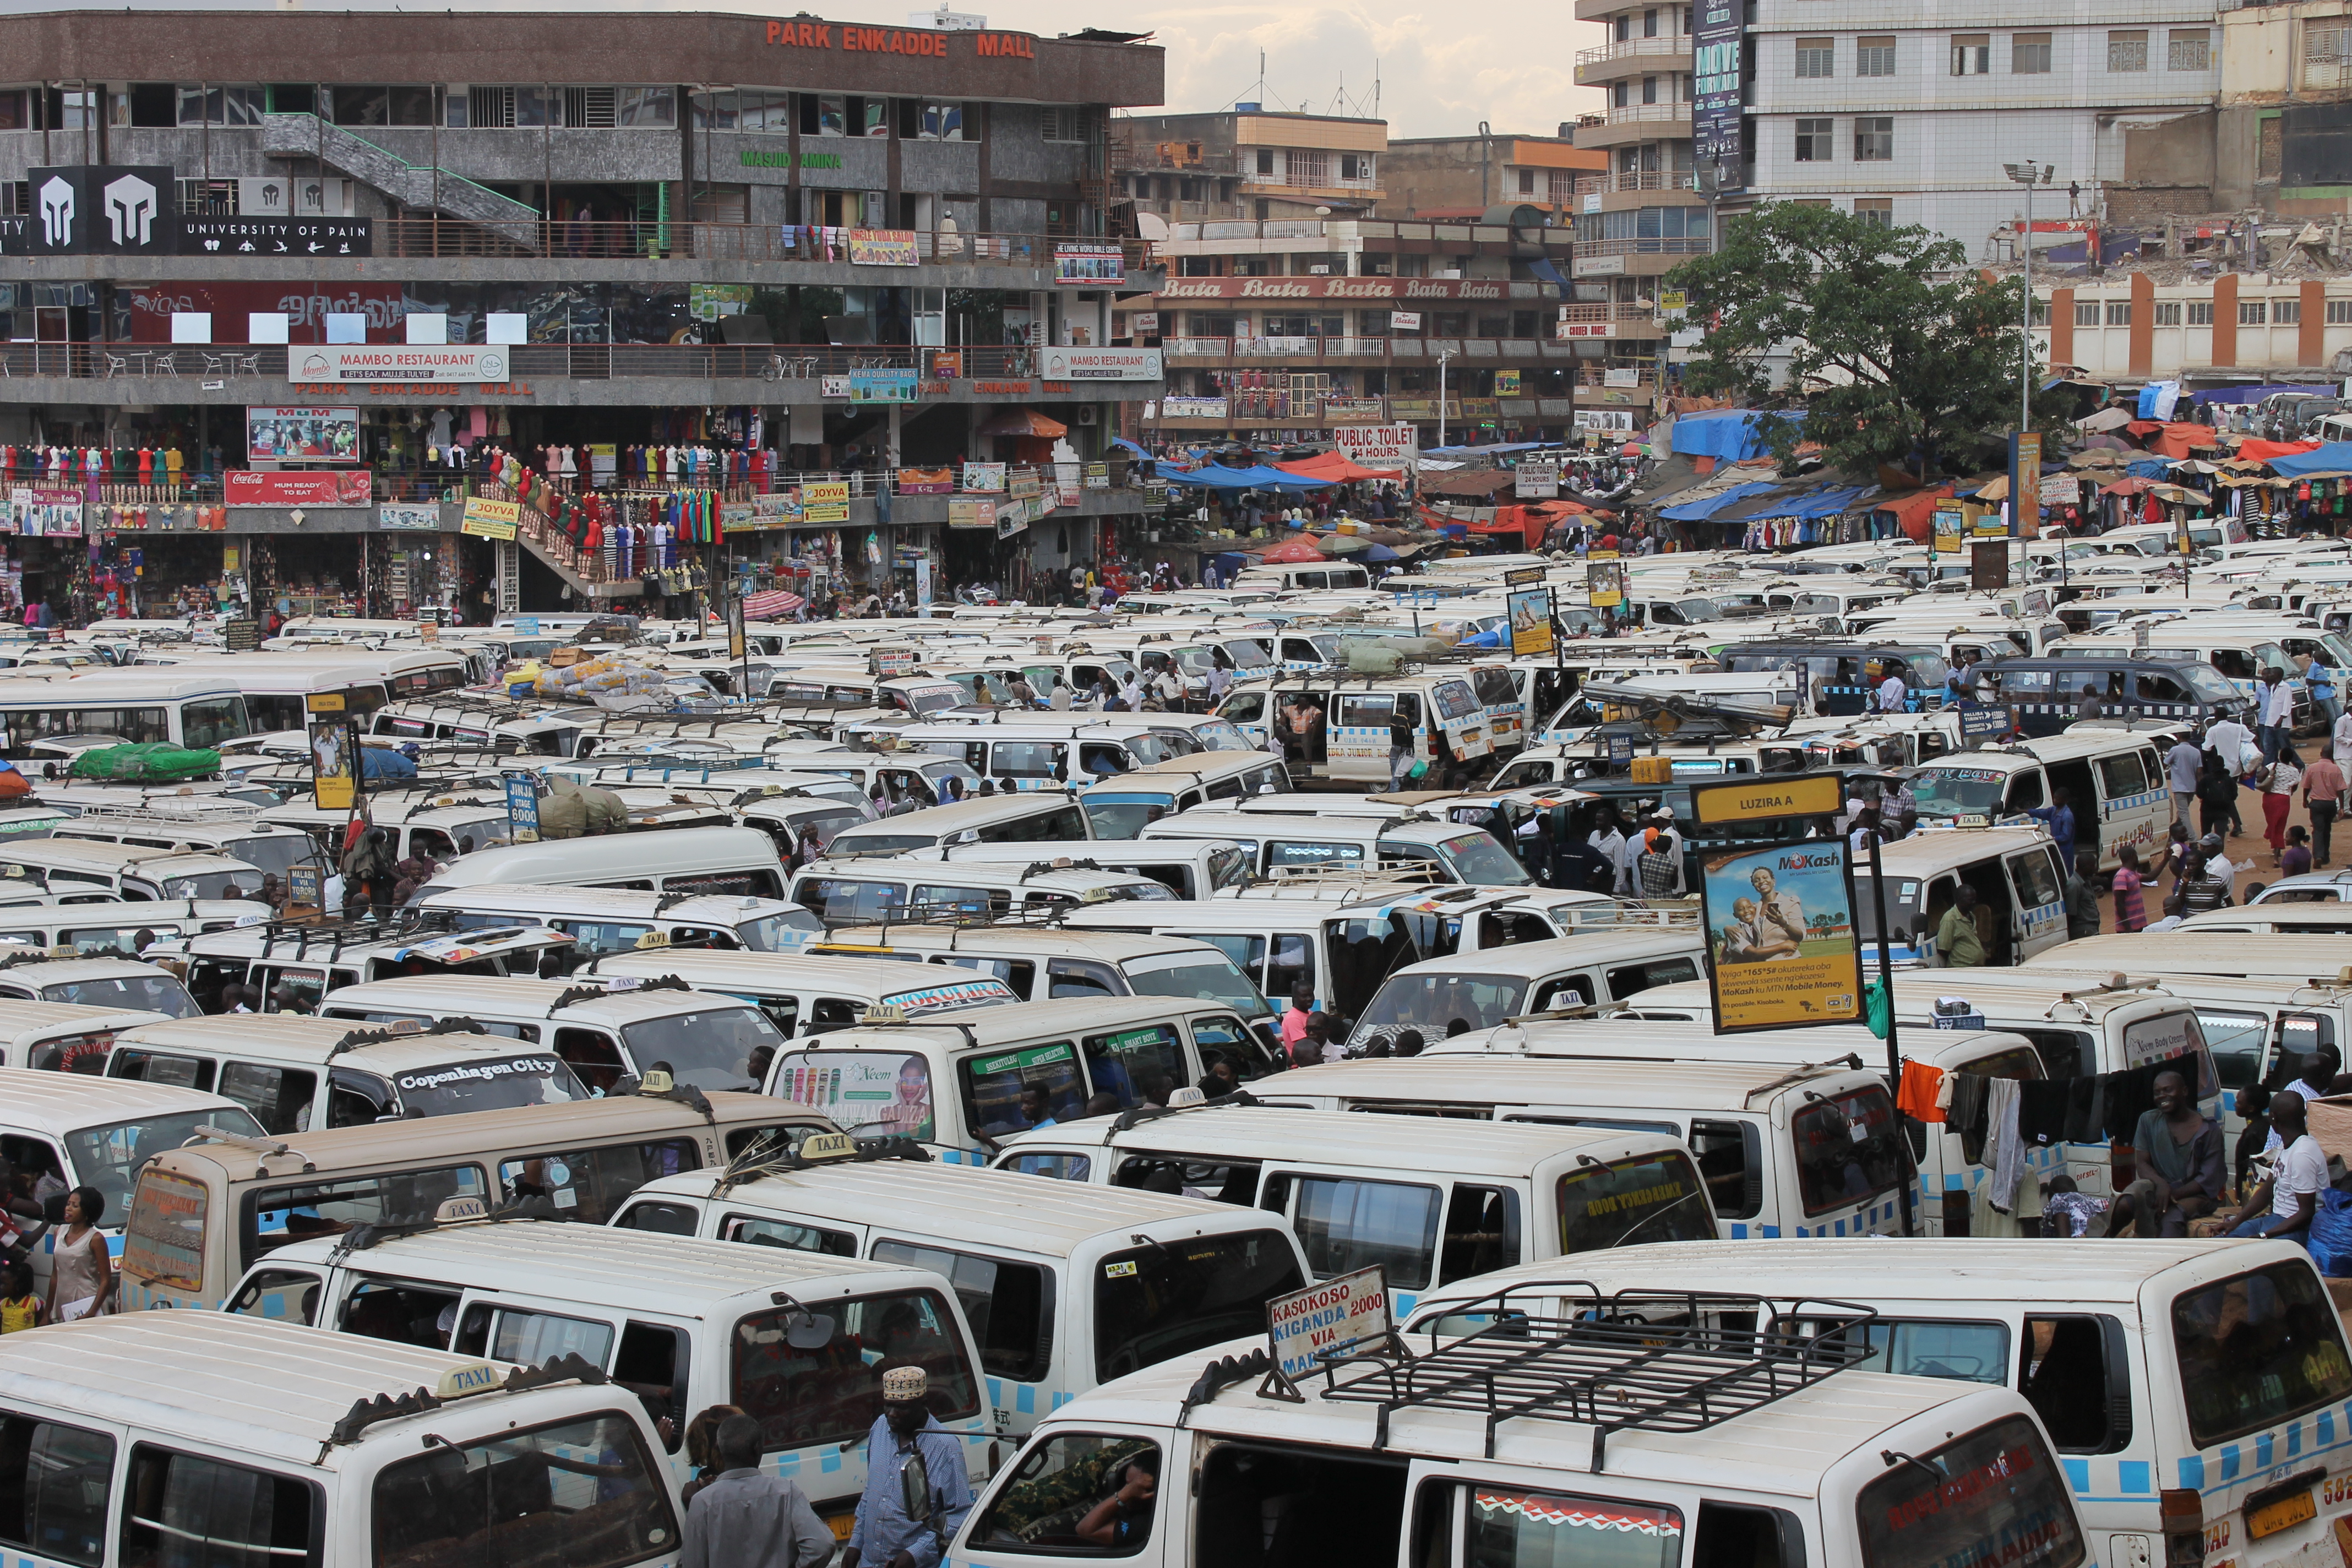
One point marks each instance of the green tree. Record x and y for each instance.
(1903, 355)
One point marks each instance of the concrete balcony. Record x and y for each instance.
(1637, 122)
(1635, 181)
(1631, 57)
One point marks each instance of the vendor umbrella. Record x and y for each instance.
(1297, 550)
(1345, 544)
(1024, 422)
(1379, 553)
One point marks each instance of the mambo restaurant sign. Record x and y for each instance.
(896, 40)
(1334, 288)
(397, 362)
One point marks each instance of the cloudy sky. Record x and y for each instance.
(1440, 72)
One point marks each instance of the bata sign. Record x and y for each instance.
(397, 362)
(1368, 289)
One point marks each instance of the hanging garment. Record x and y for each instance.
(1916, 1095)
(2042, 1111)
(2005, 1157)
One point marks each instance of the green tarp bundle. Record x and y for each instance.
(154, 763)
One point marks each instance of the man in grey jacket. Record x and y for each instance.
(748, 1518)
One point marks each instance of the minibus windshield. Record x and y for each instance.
(1958, 792)
(780, 933)
(501, 1084)
(1210, 976)
(214, 884)
(108, 1156)
(1640, 1198)
(708, 1049)
(1433, 1001)
(812, 1397)
(2257, 1349)
(582, 1492)
(157, 993)
(1991, 1496)
(1478, 858)
(1126, 814)
(1157, 1302)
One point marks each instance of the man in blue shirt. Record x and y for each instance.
(2058, 816)
(908, 1435)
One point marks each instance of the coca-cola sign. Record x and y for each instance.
(1372, 291)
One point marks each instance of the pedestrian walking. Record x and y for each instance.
(2181, 768)
(746, 1518)
(2280, 778)
(2083, 895)
(2131, 907)
(2277, 715)
(909, 1457)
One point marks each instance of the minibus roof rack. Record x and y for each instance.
(1634, 1361)
(460, 1382)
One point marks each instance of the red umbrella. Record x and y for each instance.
(1295, 551)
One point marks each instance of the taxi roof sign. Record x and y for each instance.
(819, 1146)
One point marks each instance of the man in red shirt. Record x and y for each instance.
(2323, 795)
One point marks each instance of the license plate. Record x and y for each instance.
(2284, 1514)
(843, 1523)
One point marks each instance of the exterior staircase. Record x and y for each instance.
(423, 189)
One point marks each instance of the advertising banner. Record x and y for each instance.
(246, 235)
(1530, 612)
(883, 248)
(827, 501)
(1144, 323)
(1378, 445)
(1088, 266)
(1404, 321)
(334, 760)
(311, 435)
(1615, 421)
(1718, 29)
(44, 513)
(102, 209)
(1507, 383)
(1605, 584)
(1194, 408)
(406, 518)
(926, 481)
(1101, 364)
(247, 487)
(1368, 290)
(869, 1093)
(881, 386)
(487, 519)
(970, 512)
(398, 362)
(1781, 923)
(1012, 518)
(984, 478)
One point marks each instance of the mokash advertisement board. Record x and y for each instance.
(1377, 445)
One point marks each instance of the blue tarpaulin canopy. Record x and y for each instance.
(1725, 434)
(1266, 479)
(2255, 394)
(2331, 455)
(1700, 510)
(1210, 476)
(2149, 468)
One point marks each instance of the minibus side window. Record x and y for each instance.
(1055, 1167)
(1345, 1225)
(1731, 1163)
(592, 1054)
(1635, 978)
(1054, 1505)
(809, 1399)
(280, 1097)
(534, 1338)
(662, 1220)
(2072, 1370)
(588, 1184)
(1507, 1527)
(54, 1483)
(246, 1519)
(756, 1230)
(1482, 1232)
(1137, 1065)
(2237, 1041)
(1009, 1305)
(2257, 1349)
(1836, 1168)
(436, 1507)
(156, 1066)
(1264, 1504)
(994, 1088)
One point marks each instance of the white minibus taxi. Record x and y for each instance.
(2194, 1391)
(1477, 990)
(96, 982)
(1290, 833)
(128, 927)
(795, 1340)
(58, 1037)
(66, 1131)
(807, 993)
(1064, 1287)
(1435, 1201)
(2113, 781)
(993, 819)
(295, 1073)
(1541, 1445)
(201, 1215)
(71, 868)
(1044, 964)
(615, 919)
(737, 861)
(121, 705)
(605, 1035)
(186, 1438)
(961, 1084)
(866, 888)
(1810, 1151)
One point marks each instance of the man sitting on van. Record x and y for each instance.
(2283, 1205)
(2179, 1163)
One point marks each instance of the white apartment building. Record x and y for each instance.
(1908, 112)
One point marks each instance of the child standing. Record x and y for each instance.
(19, 1307)
(2131, 910)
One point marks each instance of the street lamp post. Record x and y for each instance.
(2026, 174)
(1444, 355)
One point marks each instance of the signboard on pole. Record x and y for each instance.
(2024, 483)
(1605, 584)
(1331, 1315)
(1531, 613)
(1536, 479)
(1377, 445)
(1718, 29)
(334, 753)
(1785, 949)
(522, 807)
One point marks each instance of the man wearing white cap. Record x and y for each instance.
(909, 1455)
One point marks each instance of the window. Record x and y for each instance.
(662, 1220)
(1526, 182)
(2127, 51)
(534, 1338)
(2012, 1492)
(2286, 312)
(54, 1482)
(1345, 1225)
(2237, 1042)
(1635, 978)
(2122, 774)
(1140, 1066)
(221, 105)
(589, 1185)
(275, 1216)
(2119, 313)
(2029, 54)
(1266, 162)
(1874, 139)
(584, 1493)
(948, 123)
(2254, 312)
(1310, 169)
(1814, 141)
(1009, 1305)
(2189, 49)
(245, 1519)
(2327, 52)
(2071, 1368)
(1879, 210)
(2339, 312)
(1066, 122)
(1973, 54)
(1816, 57)
(1508, 1528)
(754, 1230)
(1874, 57)
(2086, 312)
(2200, 312)
(1482, 1233)
(1847, 1149)
(1157, 1302)
(757, 109)
(2257, 1349)
(1050, 1506)
(814, 1378)
(280, 1097)
(2167, 313)
(994, 1087)
(1641, 1198)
